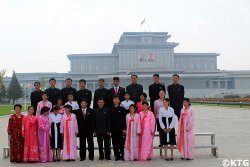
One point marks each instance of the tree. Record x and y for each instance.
(14, 90)
(2, 87)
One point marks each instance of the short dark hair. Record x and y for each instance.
(187, 100)
(133, 75)
(101, 99)
(18, 105)
(37, 83)
(145, 102)
(30, 107)
(176, 75)
(59, 97)
(116, 96)
(68, 106)
(52, 79)
(133, 105)
(55, 108)
(156, 75)
(128, 93)
(45, 93)
(167, 99)
(44, 109)
(101, 80)
(82, 80)
(116, 79)
(68, 79)
(83, 99)
(144, 94)
(71, 94)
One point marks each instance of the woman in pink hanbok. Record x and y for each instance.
(131, 151)
(44, 135)
(186, 131)
(69, 131)
(147, 119)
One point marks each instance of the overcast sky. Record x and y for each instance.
(37, 36)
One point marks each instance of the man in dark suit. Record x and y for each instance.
(118, 128)
(103, 93)
(116, 90)
(134, 89)
(154, 90)
(102, 129)
(67, 90)
(36, 96)
(85, 123)
(83, 93)
(53, 92)
(176, 95)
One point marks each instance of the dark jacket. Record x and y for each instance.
(101, 120)
(176, 95)
(35, 97)
(117, 119)
(101, 93)
(135, 90)
(85, 124)
(65, 92)
(84, 94)
(120, 93)
(53, 94)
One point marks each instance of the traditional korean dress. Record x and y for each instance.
(41, 104)
(131, 150)
(56, 139)
(29, 132)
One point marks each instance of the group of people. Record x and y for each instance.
(57, 117)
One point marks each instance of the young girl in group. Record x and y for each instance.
(143, 97)
(43, 103)
(59, 103)
(69, 131)
(44, 135)
(167, 121)
(56, 138)
(29, 132)
(15, 135)
(127, 102)
(133, 131)
(186, 131)
(147, 119)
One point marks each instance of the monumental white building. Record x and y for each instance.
(146, 53)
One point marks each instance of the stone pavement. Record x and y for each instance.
(231, 126)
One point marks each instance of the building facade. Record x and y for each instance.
(146, 53)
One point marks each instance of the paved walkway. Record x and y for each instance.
(231, 126)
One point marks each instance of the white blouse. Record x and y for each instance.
(74, 105)
(163, 112)
(126, 104)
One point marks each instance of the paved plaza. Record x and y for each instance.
(231, 126)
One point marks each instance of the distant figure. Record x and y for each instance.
(15, 133)
(43, 103)
(154, 90)
(131, 151)
(176, 95)
(185, 136)
(147, 133)
(52, 91)
(29, 132)
(44, 135)
(103, 93)
(69, 131)
(83, 93)
(68, 90)
(117, 90)
(36, 96)
(134, 89)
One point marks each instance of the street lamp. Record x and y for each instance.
(25, 94)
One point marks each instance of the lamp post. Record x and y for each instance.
(25, 94)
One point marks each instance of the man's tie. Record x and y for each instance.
(116, 91)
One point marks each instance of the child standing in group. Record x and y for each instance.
(127, 102)
(43, 103)
(147, 133)
(72, 103)
(56, 137)
(186, 131)
(143, 97)
(69, 131)
(133, 131)
(29, 132)
(167, 119)
(44, 135)
(15, 135)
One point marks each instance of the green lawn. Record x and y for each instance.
(223, 105)
(7, 109)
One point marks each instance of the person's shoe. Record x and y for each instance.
(82, 159)
(148, 159)
(108, 159)
(167, 159)
(182, 158)
(58, 160)
(91, 159)
(171, 159)
(101, 158)
(117, 159)
(67, 160)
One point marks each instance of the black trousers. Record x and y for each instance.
(89, 138)
(118, 145)
(177, 111)
(106, 139)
